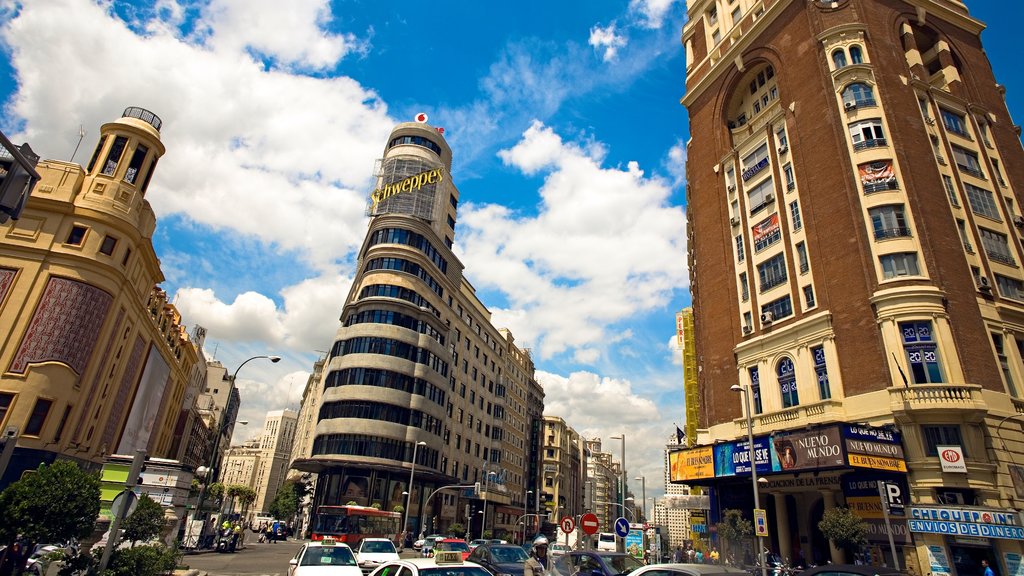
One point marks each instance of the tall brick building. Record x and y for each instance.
(855, 229)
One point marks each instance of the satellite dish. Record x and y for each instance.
(421, 118)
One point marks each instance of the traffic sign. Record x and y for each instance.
(567, 524)
(893, 497)
(589, 523)
(760, 522)
(621, 527)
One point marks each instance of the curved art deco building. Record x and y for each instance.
(416, 368)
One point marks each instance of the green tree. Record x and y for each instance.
(142, 561)
(289, 498)
(733, 530)
(844, 529)
(215, 492)
(456, 529)
(145, 521)
(54, 504)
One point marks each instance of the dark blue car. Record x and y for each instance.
(596, 563)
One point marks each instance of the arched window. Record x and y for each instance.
(858, 95)
(855, 55)
(839, 58)
(787, 383)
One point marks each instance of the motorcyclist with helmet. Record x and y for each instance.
(538, 563)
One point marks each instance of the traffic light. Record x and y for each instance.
(17, 178)
(138, 467)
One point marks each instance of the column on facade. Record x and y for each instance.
(782, 527)
(804, 504)
(829, 499)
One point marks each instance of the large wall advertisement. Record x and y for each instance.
(408, 185)
(822, 448)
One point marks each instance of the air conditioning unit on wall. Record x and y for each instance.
(747, 330)
(735, 220)
(766, 318)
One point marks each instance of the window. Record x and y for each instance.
(739, 248)
(794, 213)
(761, 196)
(801, 254)
(858, 95)
(38, 417)
(737, 13)
(96, 153)
(127, 255)
(744, 289)
(1008, 288)
(950, 190)
(63, 423)
(781, 135)
(76, 236)
(108, 245)
(809, 296)
(945, 435)
(899, 264)
(755, 162)
(766, 233)
(713, 15)
(772, 272)
(1004, 362)
(6, 399)
(982, 202)
(954, 122)
(821, 371)
(867, 134)
(114, 156)
(716, 37)
(967, 161)
(889, 222)
(755, 390)
(839, 58)
(877, 176)
(787, 383)
(962, 228)
(921, 352)
(856, 57)
(133, 167)
(996, 247)
(998, 173)
(787, 171)
(451, 222)
(781, 308)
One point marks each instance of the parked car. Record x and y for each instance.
(373, 552)
(596, 563)
(500, 559)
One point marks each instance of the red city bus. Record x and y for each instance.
(350, 524)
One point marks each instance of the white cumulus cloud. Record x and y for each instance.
(606, 40)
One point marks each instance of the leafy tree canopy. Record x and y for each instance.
(145, 522)
(54, 504)
(844, 528)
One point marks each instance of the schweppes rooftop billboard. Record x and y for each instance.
(409, 184)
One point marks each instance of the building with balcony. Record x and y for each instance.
(601, 482)
(417, 369)
(857, 164)
(564, 470)
(94, 360)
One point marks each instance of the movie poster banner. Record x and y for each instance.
(815, 449)
(733, 458)
(693, 464)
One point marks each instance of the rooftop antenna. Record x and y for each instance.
(81, 135)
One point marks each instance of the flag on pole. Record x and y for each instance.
(900, 368)
(680, 435)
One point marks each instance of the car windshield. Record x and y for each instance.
(455, 570)
(460, 546)
(327, 556)
(377, 547)
(509, 554)
(621, 564)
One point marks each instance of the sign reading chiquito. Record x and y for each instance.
(966, 521)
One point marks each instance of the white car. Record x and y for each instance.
(373, 552)
(326, 557)
(444, 563)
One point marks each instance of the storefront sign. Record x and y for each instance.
(414, 182)
(875, 448)
(952, 459)
(877, 532)
(750, 172)
(877, 463)
(808, 450)
(693, 464)
(804, 481)
(979, 522)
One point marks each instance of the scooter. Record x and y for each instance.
(227, 541)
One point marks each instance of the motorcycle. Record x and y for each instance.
(227, 541)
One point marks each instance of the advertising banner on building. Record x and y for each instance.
(874, 448)
(693, 464)
(877, 175)
(966, 521)
(407, 185)
(766, 228)
(808, 449)
(733, 458)
(938, 562)
(861, 492)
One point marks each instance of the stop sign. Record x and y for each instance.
(589, 523)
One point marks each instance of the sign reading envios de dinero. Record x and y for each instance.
(410, 184)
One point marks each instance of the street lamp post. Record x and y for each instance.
(625, 511)
(753, 469)
(643, 489)
(487, 488)
(526, 498)
(622, 489)
(222, 425)
(408, 498)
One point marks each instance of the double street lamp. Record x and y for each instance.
(643, 489)
(753, 470)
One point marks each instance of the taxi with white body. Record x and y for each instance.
(322, 558)
(373, 552)
(444, 563)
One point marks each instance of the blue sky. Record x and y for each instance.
(567, 135)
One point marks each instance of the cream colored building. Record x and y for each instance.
(564, 470)
(93, 358)
(275, 456)
(676, 519)
(241, 464)
(602, 478)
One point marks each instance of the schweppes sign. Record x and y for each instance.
(410, 184)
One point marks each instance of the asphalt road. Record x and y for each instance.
(255, 560)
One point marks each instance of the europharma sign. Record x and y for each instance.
(983, 522)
